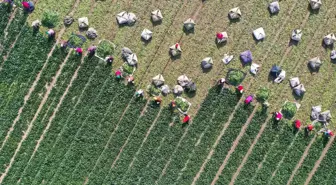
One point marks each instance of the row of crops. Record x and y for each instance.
(92, 130)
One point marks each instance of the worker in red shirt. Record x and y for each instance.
(297, 124)
(310, 127)
(157, 100)
(240, 89)
(25, 5)
(186, 118)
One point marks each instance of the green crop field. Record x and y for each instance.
(66, 119)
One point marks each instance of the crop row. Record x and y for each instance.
(28, 146)
(150, 147)
(13, 31)
(291, 158)
(194, 148)
(5, 13)
(274, 155)
(135, 139)
(237, 156)
(269, 135)
(240, 117)
(309, 162)
(74, 111)
(53, 100)
(19, 69)
(326, 173)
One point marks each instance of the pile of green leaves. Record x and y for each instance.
(235, 77)
(75, 41)
(184, 106)
(289, 109)
(153, 90)
(105, 48)
(127, 69)
(50, 18)
(263, 94)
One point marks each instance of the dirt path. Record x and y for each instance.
(249, 151)
(109, 140)
(54, 114)
(318, 162)
(30, 126)
(177, 146)
(32, 88)
(145, 139)
(235, 144)
(12, 16)
(216, 143)
(128, 138)
(303, 157)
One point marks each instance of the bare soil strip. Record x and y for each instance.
(216, 143)
(54, 113)
(12, 16)
(30, 126)
(145, 139)
(249, 151)
(318, 162)
(298, 165)
(32, 88)
(235, 144)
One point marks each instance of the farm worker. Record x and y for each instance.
(240, 88)
(79, 51)
(310, 127)
(186, 118)
(157, 100)
(221, 81)
(278, 116)
(64, 44)
(118, 74)
(50, 33)
(109, 59)
(297, 124)
(92, 50)
(328, 133)
(172, 104)
(249, 99)
(220, 36)
(130, 79)
(139, 93)
(25, 5)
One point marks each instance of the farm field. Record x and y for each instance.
(67, 119)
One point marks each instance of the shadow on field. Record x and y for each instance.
(312, 12)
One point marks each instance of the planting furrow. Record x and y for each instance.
(5, 12)
(31, 123)
(61, 123)
(318, 162)
(199, 140)
(158, 147)
(72, 154)
(325, 173)
(75, 119)
(234, 145)
(148, 149)
(298, 165)
(28, 146)
(116, 140)
(291, 157)
(266, 140)
(143, 142)
(131, 145)
(223, 142)
(222, 106)
(236, 157)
